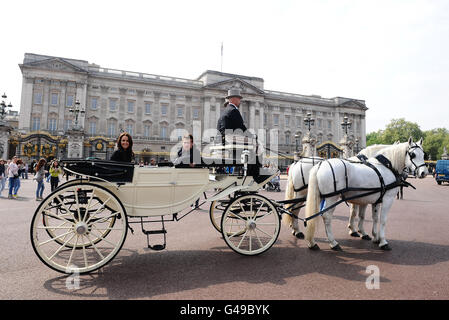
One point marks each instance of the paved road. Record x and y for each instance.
(197, 264)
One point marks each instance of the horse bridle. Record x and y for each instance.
(412, 156)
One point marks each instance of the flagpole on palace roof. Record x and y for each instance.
(221, 69)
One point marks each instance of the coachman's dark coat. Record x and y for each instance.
(231, 119)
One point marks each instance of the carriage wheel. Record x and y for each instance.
(216, 210)
(78, 228)
(70, 203)
(250, 224)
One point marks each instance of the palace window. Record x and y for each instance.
(287, 121)
(146, 130)
(35, 123)
(52, 125)
(94, 103)
(196, 113)
(112, 104)
(163, 132)
(130, 128)
(38, 97)
(92, 127)
(276, 119)
(131, 106)
(111, 129)
(70, 100)
(54, 99)
(180, 111)
(147, 108)
(67, 124)
(164, 110)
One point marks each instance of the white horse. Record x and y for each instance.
(336, 178)
(356, 209)
(297, 183)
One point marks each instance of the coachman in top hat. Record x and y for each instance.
(231, 119)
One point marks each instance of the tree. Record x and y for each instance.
(434, 142)
(374, 138)
(399, 129)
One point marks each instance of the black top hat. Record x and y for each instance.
(234, 92)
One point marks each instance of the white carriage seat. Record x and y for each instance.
(233, 147)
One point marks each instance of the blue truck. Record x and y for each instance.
(442, 171)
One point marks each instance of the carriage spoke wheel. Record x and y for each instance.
(250, 224)
(216, 210)
(78, 228)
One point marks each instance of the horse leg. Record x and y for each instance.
(361, 230)
(327, 219)
(386, 205)
(295, 226)
(351, 226)
(375, 213)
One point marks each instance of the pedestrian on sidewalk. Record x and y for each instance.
(55, 171)
(2, 175)
(13, 174)
(20, 165)
(39, 176)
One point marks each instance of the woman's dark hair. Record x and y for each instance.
(40, 164)
(130, 140)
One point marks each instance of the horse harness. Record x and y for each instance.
(399, 181)
(304, 183)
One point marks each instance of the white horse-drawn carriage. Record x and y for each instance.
(82, 225)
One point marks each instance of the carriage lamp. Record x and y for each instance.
(346, 124)
(3, 107)
(308, 121)
(76, 111)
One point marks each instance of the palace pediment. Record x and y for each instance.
(245, 87)
(355, 104)
(55, 64)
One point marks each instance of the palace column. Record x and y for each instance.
(62, 105)
(252, 115)
(45, 105)
(26, 105)
(206, 112)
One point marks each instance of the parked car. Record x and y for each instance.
(442, 171)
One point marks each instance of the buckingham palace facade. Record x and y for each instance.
(157, 110)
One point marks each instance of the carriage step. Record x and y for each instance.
(148, 232)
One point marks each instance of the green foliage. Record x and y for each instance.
(399, 129)
(374, 138)
(434, 142)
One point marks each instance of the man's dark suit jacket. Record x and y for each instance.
(230, 119)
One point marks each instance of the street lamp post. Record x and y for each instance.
(308, 121)
(356, 146)
(3, 107)
(346, 124)
(76, 111)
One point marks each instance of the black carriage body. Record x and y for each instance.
(112, 171)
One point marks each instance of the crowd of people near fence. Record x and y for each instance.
(12, 171)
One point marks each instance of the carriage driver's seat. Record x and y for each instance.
(230, 148)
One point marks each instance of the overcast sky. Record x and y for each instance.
(392, 54)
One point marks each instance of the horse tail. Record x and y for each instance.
(289, 194)
(312, 205)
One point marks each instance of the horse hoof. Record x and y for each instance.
(376, 241)
(355, 235)
(315, 247)
(385, 247)
(299, 235)
(337, 248)
(366, 237)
